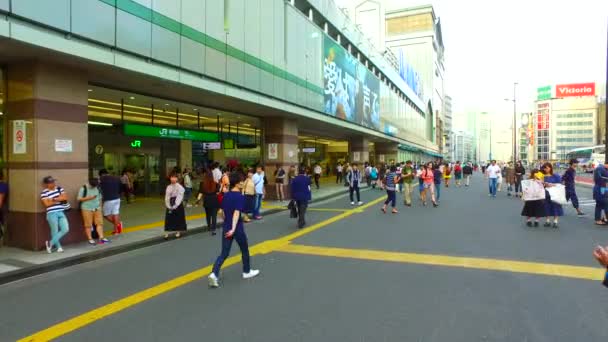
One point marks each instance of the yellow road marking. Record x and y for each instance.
(94, 315)
(152, 225)
(557, 270)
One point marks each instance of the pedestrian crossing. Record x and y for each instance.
(586, 202)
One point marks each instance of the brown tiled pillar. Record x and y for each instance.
(280, 148)
(358, 150)
(46, 113)
(386, 152)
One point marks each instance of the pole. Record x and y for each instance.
(514, 123)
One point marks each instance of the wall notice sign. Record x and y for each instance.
(356, 156)
(63, 145)
(19, 137)
(309, 150)
(273, 151)
(381, 158)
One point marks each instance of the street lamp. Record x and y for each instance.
(514, 100)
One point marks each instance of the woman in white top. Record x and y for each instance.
(175, 217)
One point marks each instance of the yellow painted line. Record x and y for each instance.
(152, 225)
(556, 270)
(94, 315)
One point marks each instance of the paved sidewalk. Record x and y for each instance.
(141, 229)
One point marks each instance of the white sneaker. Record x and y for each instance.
(352, 203)
(48, 247)
(59, 250)
(360, 202)
(251, 274)
(213, 281)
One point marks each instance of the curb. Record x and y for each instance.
(32, 271)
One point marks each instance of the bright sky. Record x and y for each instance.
(490, 44)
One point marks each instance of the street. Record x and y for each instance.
(466, 271)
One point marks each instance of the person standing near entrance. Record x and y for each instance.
(300, 192)
(317, 174)
(55, 199)
(390, 181)
(175, 217)
(110, 193)
(279, 180)
(3, 201)
(569, 180)
(209, 190)
(233, 229)
(467, 171)
(407, 175)
(90, 209)
(353, 178)
(258, 183)
(187, 187)
(493, 172)
(339, 172)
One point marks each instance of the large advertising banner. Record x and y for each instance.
(576, 89)
(351, 91)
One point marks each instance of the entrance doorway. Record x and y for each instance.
(145, 170)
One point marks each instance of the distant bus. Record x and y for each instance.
(588, 157)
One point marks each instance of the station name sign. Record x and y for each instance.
(168, 133)
(577, 89)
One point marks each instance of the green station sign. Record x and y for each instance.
(168, 133)
(543, 93)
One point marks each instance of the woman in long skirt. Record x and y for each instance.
(175, 217)
(534, 208)
(551, 208)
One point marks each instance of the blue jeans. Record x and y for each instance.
(493, 182)
(59, 227)
(241, 239)
(187, 194)
(257, 205)
(390, 198)
(437, 191)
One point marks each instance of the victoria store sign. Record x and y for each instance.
(578, 89)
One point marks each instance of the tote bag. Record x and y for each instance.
(557, 193)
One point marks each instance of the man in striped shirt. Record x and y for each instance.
(55, 199)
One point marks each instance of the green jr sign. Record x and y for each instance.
(543, 93)
(169, 133)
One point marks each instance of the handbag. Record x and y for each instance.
(557, 193)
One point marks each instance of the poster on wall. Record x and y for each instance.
(351, 91)
(273, 151)
(19, 137)
(356, 156)
(63, 145)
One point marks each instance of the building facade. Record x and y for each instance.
(464, 147)
(149, 86)
(448, 127)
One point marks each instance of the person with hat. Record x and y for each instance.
(54, 198)
(569, 180)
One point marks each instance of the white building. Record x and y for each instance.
(464, 147)
(448, 128)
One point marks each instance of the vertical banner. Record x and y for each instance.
(273, 151)
(19, 137)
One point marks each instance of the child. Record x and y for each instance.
(535, 207)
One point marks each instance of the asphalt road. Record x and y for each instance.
(425, 274)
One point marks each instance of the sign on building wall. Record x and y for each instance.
(19, 137)
(168, 132)
(576, 89)
(273, 151)
(543, 93)
(351, 91)
(63, 145)
(356, 156)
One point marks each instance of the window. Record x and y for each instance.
(576, 123)
(574, 115)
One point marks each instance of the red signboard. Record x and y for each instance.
(577, 89)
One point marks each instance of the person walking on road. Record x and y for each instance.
(209, 191)
(534, 207)
(339, 173)
(520, 171)
(407, 175)
(428, 186)
(374, 176)
(317, 174)
(175, 216)
(552, 209)
(300, 193)
(467, 171)
(437, 177)
(90, 209)
(54, 198)
(233, 229)
(458, 173)
(353, 178)
(569, 180)
(600, 175)
(510, 177)
(447, 175)
(390, 181)
(492, 173)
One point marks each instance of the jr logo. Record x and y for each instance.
(163, 131)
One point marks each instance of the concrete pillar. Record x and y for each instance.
(51, 101)
(280, 149)
(185, 154)
(386, 152)
(358, 150)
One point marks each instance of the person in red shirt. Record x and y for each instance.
(458, 173)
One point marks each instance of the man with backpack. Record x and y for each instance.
(89, 203)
